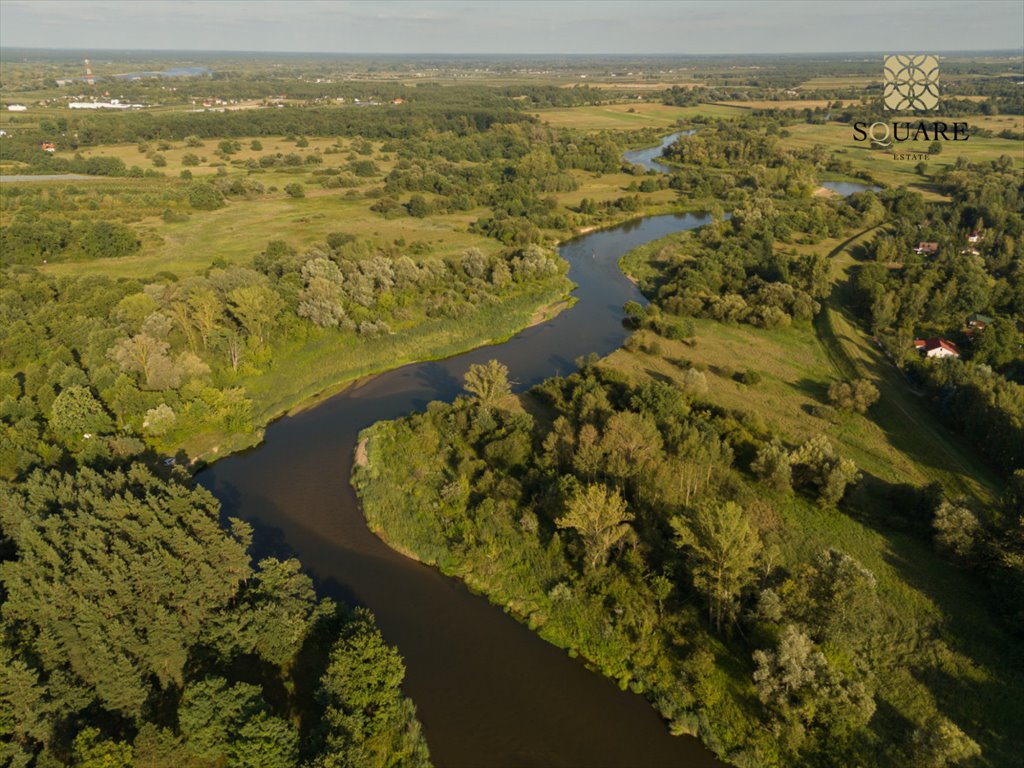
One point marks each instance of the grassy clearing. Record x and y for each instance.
(898, 441)
(796, 374)
(620, 116)
(839, 138)
(240, 230)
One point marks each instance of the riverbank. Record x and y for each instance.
(487, 689)
(309, 376)
(283, 392)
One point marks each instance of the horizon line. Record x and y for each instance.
(3, 48)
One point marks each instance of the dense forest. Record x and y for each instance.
(137, 631)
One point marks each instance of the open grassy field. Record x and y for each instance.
(897, 441)
(839, 138)
(240, 230)
(630, 116)
(342, 152)
(780, 104)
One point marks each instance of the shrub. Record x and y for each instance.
(749, 377)
(203, 197)
(857, 395)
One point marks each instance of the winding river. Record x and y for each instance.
(648, 158)
(489, 692)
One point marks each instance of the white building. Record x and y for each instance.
(102, 105)
(936, 347)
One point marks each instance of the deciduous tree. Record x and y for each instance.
(488, 383)
(599, 515)
(721, 551)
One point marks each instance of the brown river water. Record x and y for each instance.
(489, 692)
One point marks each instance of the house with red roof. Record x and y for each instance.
(936, 347)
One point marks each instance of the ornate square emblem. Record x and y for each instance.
(910, 82)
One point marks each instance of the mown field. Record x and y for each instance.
(897, 441)
(839, 138)
(632, 115)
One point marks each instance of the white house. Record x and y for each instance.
(936, 347)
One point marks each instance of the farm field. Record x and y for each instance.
(631, 116)
(780, 104)
(839, 138)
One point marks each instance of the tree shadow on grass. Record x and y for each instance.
(812, 388)
(986, 705)
(985, 702)
(658, 376)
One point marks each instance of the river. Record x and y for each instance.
(847, 188)
(648, 158)
(489, 692)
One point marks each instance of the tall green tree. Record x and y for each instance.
(722, 551)
(76, 413)
(599, 515)
(367, 721)
(797, 683)
(488, 383)
(256, 307)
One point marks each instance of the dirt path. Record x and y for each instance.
(942, 456)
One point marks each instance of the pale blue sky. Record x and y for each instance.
(455, 26)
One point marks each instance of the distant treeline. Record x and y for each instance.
(370, 122)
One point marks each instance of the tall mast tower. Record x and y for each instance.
(88, 74)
